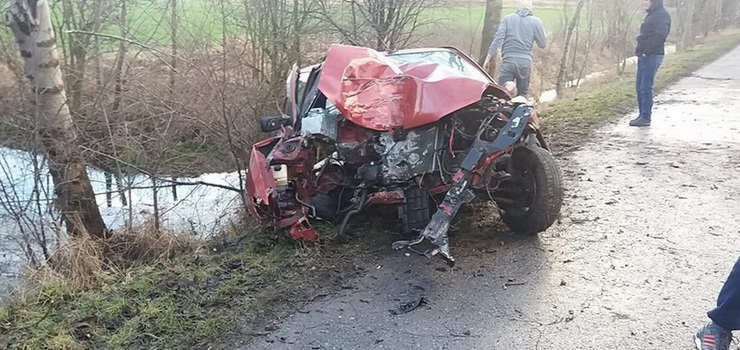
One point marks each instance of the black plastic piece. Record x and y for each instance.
(325, 205)
(399, 134)
(371, 173)
(508, 136)
(269, 124)
(416, 210)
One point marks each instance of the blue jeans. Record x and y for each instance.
(727, 313)
(647, 69)
(518, 71)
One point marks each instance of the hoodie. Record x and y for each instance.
(654, 30)
(516, 35)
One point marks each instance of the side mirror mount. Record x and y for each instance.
(269, 124)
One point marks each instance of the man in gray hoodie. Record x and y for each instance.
(516, 36)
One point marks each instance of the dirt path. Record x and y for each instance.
(648, 232)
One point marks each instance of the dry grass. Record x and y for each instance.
(145, 244)
(181, 300)
(83, 262)
(80, 260)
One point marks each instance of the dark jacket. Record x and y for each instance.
(654, 30)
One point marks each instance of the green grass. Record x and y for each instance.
(471, 17)
(202, 22)
(575, 117)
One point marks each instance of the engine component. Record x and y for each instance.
(321, 122)
(280, 173)
(412, 156)
(371, 173)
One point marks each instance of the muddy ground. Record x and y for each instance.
(648, 232)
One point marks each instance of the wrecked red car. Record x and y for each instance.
(424, 130)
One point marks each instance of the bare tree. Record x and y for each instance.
(173, 36)
(30, 21)
(491, 21)
(567, 47)
(80, 15)
(731, 13)
(384, 24)
(589, 43)
(683, 23)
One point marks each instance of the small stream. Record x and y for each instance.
(26, 219)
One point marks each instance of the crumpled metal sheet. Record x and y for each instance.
(260, 182)
(376, 92)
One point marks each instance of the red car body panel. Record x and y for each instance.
(260, 182)
(376, 92)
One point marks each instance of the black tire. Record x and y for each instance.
(541, 187)
(416, 211)
(326, 206)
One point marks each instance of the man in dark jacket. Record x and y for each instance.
(717, 335)
(650, 51)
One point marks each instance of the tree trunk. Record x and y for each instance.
(173, 33)
(30, 22)
(491, 22)
(566, 50)
(685, 28)
(155, 198)
(589, 42)
(120, 58)
(719, 6)
(96, 26)
(729, 13)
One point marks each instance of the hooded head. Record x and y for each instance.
(524, 7)
(654, 5)
(524, 4)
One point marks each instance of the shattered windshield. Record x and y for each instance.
(447, 58)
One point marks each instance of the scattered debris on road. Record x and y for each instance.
(410, 306)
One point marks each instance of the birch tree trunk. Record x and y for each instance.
(491, 22)
(30, 22)
(174, 22)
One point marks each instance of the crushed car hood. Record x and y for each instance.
(376, 92)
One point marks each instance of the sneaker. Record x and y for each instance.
(639, 121)
(713, 337)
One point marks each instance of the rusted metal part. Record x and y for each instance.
(387, 197)
(301, 229)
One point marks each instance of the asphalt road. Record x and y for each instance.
(648, 232)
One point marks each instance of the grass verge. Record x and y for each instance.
(569, 120)
(186, 302)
